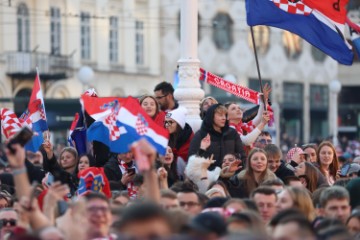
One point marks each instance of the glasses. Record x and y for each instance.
(168, 123)
(190, 204)
(5, 222)
(265, 141)
(160, 97)
(95, 209)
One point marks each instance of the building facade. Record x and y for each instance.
(118, 39)
(298, 73)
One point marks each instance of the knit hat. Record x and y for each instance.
(178, 115)
(290, 154)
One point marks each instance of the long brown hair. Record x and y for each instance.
(312, 176)
(334, 166)
(156, 103)
(249, 177)
(302, 201)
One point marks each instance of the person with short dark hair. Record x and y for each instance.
(353, 224)
(189, 201)
(8, 221)
(335, 203)
(263, 139)
(265, 199)
(207, 225)
(143, 221)
(164, 95)
(293, 226)
(98, 214)
(275, 162)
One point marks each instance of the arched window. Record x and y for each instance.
(262, 39)
(23, 25)
(292, 44)
(222, 31)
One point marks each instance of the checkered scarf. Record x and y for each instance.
(132, 192)
(243, 128)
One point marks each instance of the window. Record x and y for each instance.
(85, 36)
(139, 44)
(293, 95)
(113, 40)
(222, 34)
(23, 25)
(319, 96)
(262, 39)
(55, 27)
(292, 44)
(317, 54)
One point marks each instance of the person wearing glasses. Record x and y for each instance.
(263, 139)
(164, 95)
(8, 221)
(181, 135)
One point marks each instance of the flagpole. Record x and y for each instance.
(257, 66)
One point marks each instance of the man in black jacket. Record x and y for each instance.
(275, 164)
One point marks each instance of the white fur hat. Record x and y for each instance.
(179, 115)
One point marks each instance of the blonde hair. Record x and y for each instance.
(302, 201)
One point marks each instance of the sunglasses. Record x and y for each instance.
(168, 123)
(264, 141)
(5, 222)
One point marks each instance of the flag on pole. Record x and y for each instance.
(77, 134)
(35, 116)
(321, 23)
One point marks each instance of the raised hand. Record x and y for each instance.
(162, 174)
(48, 147)
(206, 164)
(205, 142)
(266, 91)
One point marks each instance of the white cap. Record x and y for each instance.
(178, 115)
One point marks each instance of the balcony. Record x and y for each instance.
(22, 65)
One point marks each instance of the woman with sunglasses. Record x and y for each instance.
(248, 131)
(180, 132)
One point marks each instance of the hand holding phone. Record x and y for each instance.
(21, 138)
(131, 171)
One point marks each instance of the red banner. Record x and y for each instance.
(240, 91)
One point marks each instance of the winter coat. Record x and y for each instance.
(159, 118)
(193, 172)
(182, 145)
(114, 174)
(239, 182)
(283, 172)
(222, 143)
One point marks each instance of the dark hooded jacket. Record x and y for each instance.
(182, 144)
(226, 141)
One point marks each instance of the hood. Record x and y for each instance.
(207, 124)
(184, 135)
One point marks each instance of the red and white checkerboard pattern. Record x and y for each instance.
(294, 8)
(141, 125)
(114, 130)
(10, 124)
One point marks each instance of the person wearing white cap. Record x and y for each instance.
(181, 133)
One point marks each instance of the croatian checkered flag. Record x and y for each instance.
(10, 124)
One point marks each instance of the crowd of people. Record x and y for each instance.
(228, 180)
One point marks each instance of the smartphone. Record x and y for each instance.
(131, 171)
(345, 169)
(50, 179)
(62, 207)
(21, 138)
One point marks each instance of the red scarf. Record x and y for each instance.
(242, 127)
(132, 192)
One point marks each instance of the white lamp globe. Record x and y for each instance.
(335, 86)
(85, 74)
